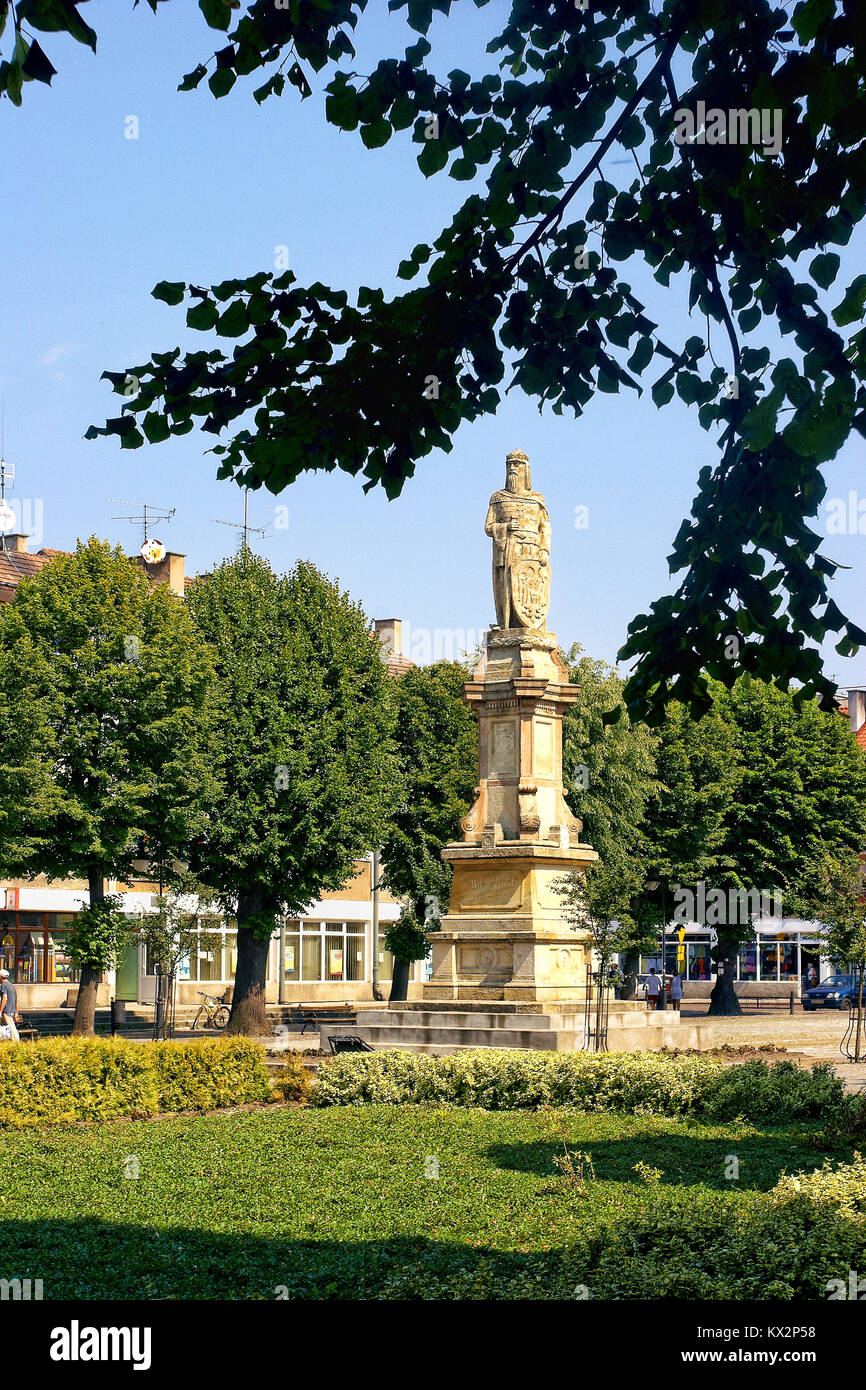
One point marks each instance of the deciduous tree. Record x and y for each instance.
(302, 750)
(103, 719)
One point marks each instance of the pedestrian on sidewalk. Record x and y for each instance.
(653, 986)
(676, 990)
(8, 1005)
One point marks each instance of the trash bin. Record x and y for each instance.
(118, 1014)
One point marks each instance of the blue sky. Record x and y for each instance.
(92, 220)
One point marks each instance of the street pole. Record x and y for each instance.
(377, 993)
(281, 991)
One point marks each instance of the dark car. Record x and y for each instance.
(836, 992)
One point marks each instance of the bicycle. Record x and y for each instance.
(213, 1013)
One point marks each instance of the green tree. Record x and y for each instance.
(835, 898)
(598, 903)
(755, 798)
(529, 282)
(301, 748)
(437, 741)
(609, 771)
(687, 811)
(185, 917)
(103, 700)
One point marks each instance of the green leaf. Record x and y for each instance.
(192, 79)
(432, 158)
(851, 308)
(169, 291)
(642, 355)
(234, 321)
(203, 315)
(222, 81)
(759, 426)
(462, 170)
(218, 13)
(37, 66)
(823, 269)
(662, 392)
(156, 427)
(377, 134)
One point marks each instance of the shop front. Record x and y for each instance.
(780, 954)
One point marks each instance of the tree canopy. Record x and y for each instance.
(301, 747)
(766, 794)
(436, 735)
(103, 715)
(745, 127)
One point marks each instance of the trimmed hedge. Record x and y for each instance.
(67, 1080)
(639, 1083)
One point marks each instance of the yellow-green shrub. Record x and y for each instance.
(210, 1073)
(66, 1080)
(292, 1081)
(640, 1083)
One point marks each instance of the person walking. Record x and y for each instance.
(653, 986)
(676, 991)
(811, 977)
(8, 1005)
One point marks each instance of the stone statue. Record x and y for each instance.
(519, 525)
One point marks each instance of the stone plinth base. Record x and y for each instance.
(436, 1029)
(505, 937)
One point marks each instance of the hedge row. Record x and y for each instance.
(65, 1080)
(649, 1083)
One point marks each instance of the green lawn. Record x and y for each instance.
(337, 1203)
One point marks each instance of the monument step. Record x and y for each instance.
(493, 1018)
(410, 1037)
(539, 1039)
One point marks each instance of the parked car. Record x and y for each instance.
(836, 992)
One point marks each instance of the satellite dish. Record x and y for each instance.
(7, 517)
(152, 552)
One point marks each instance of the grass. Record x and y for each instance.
(338, 1203)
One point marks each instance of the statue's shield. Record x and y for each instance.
(530, 592)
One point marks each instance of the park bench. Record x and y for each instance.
(313, 1015)
(27, 1033)
(760, 999)
(347, 1042)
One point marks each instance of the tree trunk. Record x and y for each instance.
(248, 1004)
(84, 1022)
(399, 981)
(723, 999)
(630, 974)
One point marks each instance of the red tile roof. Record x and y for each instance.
(16, 565)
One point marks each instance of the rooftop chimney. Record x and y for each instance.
(16, 542)
(857, 708)
(169, 570)
(389, 630)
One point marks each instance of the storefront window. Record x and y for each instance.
(33, 947)
(749, 961)
(356, 944)
(787, 960)
(311, 955)
(769, 962)
(698, 960)
(292, 961)
(214, 956)
(330, 952)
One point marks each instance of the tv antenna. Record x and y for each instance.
(243, 529)
(7, 475)
(145, 515)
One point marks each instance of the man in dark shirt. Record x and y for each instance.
(8, 1004)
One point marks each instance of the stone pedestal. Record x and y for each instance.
(505, 936)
